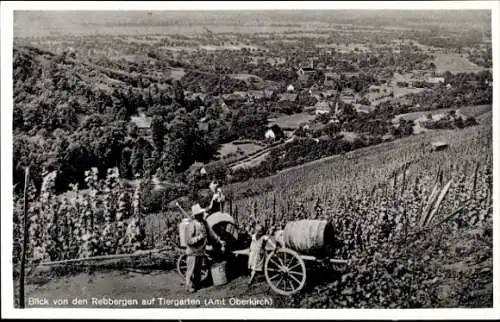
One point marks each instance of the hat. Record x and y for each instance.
(197, 209)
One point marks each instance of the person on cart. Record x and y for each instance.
(199, 235)
(218, 199)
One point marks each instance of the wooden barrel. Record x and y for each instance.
(308, 236)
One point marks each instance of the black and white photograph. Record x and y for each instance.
(181, 156)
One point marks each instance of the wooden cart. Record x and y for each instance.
(285, 269)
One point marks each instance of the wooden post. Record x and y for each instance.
(274, 208)
(25, 239)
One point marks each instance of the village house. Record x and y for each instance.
(254, 94)
(322, 107)
(347, 96)
(288, 97)
(241, 94)
(143, 124)
(274, 132)
(435, 80)
(401, 80)
(234, 97)
(366, 109)
(318, 95)
(306, 70)
(201, 96)
(330, 79)
(351, 74)
(387, 137)
(269, 92)
(269, 135)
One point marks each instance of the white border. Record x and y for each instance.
(6, 30)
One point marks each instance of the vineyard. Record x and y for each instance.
(376, 199)
(401, 258)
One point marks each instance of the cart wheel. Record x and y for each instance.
(285, 271)
(182, 267)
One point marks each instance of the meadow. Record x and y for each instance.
(454, 63)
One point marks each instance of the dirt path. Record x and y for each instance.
(139, 286)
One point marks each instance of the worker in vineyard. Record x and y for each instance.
(257, 252)
(218, 198)
(199, 234)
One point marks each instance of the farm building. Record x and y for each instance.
(347, 96)
(274, 132)
(288, 97)
(439, 145)
(322, 107)
(256, 94)
(387, 137)
(307, 68)
(360, 108)
(459, 114)
(143, 124)
(201, 96)
(303, 78)
(330, 93)
(435, 80)
(331, 78)
(234, 97)
(269, 135)
(351, 74)
(268, 92)
(241, 94)
(401, 79)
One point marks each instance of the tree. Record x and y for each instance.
(158, 132)
(249, 123)
(179, 93)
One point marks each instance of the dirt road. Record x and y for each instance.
(135, 289)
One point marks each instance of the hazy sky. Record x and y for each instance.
(40, 23)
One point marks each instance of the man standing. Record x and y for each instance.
(198, 232)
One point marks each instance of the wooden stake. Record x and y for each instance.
(25, 239)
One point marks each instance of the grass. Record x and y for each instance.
(454, 63)
(292, 121)
(246, 148)
(252, 163)
(473, 110)
(402, 91)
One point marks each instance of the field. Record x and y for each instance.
(402, 91)
(474, 111)
(454, 63)
(246, 148)
(292, 121)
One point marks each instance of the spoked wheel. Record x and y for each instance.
(285, 271)
(182, 267)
